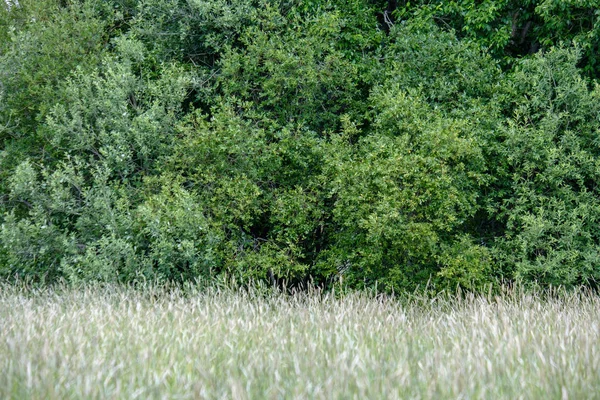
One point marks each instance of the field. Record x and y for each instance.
(115, 342)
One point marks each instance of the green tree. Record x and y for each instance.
(512, 28)
(547, 165)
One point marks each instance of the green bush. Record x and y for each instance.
(294, 74)
(319, 141)
(403, 193)
(548, 168)
(511, 29)
(257, 185)
(43, 43)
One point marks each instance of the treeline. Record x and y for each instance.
(389, 143)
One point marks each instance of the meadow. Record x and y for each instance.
(192, 343)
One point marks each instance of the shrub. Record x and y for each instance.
(547, 166)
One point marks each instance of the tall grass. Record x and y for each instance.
(121, 343)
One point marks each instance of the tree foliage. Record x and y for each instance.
(371, 143)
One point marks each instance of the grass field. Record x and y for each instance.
(120, 343)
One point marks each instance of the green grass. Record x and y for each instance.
(119, 343)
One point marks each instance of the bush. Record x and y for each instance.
(319, 141)
(548, 165)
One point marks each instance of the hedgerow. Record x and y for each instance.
(363, 142)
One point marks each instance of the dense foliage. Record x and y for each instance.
(372, 143)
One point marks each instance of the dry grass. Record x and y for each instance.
(120, 343)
